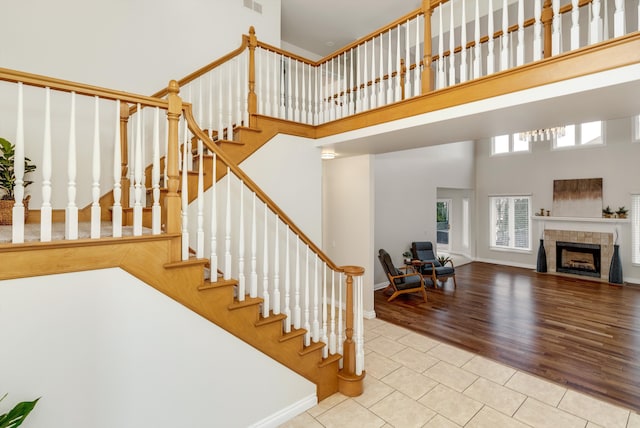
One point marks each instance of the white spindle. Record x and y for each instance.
(227, 230)
(210, 98)
(441, 76)
(537, 30)
(381, 91)
(333, 338)
(95, 168)
(185, 200)
(504, 53)
(398, 88)
(452, 46)
(595, 32)
(619, 20)
(351, 89)
(45, 210)
(220, 127)
(316, 116)
(137, 176)
(213, 258)
(253, 277)
(340, 323)
(346, 104)
(283, 75)
(156, 221)
(307, 321)
(520, 48)
(71, 213)
(477, 50)
(374, 95)
(358, 94)
(200, 203)
(390, 97)
(244, 89)
(490, 43)
(18, 170)
(407, 61)
(266, 301)
(287, 284)
(316, 323)
(324, 303)
(365, 88)
(310, 103)
(359, 324)
(266, 55)
(275, 98)
(296, 111)
(417, 87)
(463, 43)
(289, 89)
(116, 211)
(575, 24)
(556, 37)
(276, 269)
(332, 85)
(241, 278)
(259, 88)
(230, 108)
(297, 311)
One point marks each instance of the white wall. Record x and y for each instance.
(406, 184)
(103, 349)
(348, 196)
(533, 173)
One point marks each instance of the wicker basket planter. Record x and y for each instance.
(6, 210)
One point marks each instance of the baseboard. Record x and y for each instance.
(287, 413)
(505, 263)
(369, 315)
(380, 286)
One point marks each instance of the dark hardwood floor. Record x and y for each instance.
(582, 334)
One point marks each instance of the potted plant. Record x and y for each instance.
(14, 417)
(407, 256)
(8, 180)
(444, 260)
(607, 212)
(622, 212)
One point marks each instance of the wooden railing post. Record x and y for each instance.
(403, 73)
(172, 204)
(124, 155)
(547, 19)
(252, 99)
(349, 382)
(427, 73)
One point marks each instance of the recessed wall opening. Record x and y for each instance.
(578, 258)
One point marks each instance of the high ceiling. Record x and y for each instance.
(323, 27)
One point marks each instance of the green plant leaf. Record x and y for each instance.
(17, 415)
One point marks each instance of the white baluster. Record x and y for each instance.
(316, 116)
(220, 127)
(289, 89)
(287, 285)
(346, 103)
(556, 38)
(137, 176)
(95, 167)
(452, 46)
(504, 53)
(229, 106)
(353, 93)
(333, 338)
(619, 21)
(297, 312)
(244, 89)
(276, 269)
(227, 229)
(324, 303)
(265, 55)
(575, 24)
(241, 279)
(359, 324)
(185, 200)
(463, 43)
(213, 259)
(71, 213)
(253, 277)
(210, 98)
(358, 94)
(390, 98)
(398, 88)
(332, 105)
(441, 76)
(17, 230)
(520, 48)
(381, 84)
(259, 89)
(595, 32)
(45, 210)
(407, 61)
(417, 75)
(200, 203)
(283, 75)
(296, 111)
(477, 50)
(266, 301)
(340, 323)
(116, 211)
(537, 30)
(307, 321)
(156, 220)
(365, 89)
(374, 97)
(275, 98)
(316, 323)
(490, 43)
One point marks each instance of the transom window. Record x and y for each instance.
(584, 134)
(510, 222)
(513, 143)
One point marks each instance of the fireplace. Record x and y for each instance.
(578, 258)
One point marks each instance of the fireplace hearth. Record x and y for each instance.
(578, 258)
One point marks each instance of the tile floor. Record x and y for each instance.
(415, 381)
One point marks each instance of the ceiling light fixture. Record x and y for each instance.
(328, 155)
(542, 134)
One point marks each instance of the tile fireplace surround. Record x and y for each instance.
(605, 240)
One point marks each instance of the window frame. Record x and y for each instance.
(578, 137)
(511, 222)
(512, 141)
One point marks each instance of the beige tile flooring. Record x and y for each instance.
(415, 381)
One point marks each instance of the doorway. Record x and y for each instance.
(443, 224)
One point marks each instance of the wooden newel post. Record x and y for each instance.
(427, 55)
(349, 382)
(403, 73)
(124, 155)
(172, 205)
(547, 19)
(252, 99)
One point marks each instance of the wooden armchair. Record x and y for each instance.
(400, 283)
(430, 265)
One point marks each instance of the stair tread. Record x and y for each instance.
(293, 334)
(218, 284)
(313, 346)
(248, 301)
(240, 143)
(332, 358)
(272, 318)
(183, 263)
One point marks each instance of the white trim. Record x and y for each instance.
(288, 413)
(505, 263)
(369, 315)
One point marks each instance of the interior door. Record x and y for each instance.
(443, 224)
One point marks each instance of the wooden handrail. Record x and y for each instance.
(199, 133)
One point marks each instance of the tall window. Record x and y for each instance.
(510, 222)
(636, 128)
(509, 144)
(635, 229)
(465, 222)
(584, 134)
